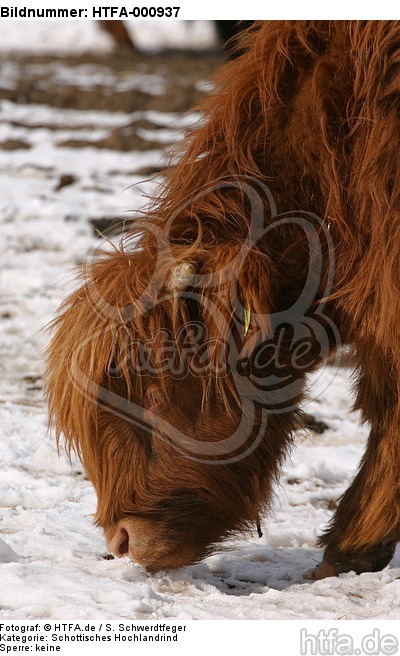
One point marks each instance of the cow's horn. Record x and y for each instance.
(181, 277)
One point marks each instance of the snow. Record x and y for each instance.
(52, 558)
(77, 36)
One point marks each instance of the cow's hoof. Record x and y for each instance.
(371, 561)
(321, 571)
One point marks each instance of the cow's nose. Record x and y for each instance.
(118, 545)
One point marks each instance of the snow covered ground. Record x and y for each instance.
(52, 558)
(81, 36)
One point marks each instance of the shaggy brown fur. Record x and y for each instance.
(311, 111)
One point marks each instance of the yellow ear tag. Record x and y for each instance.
(247, 318)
